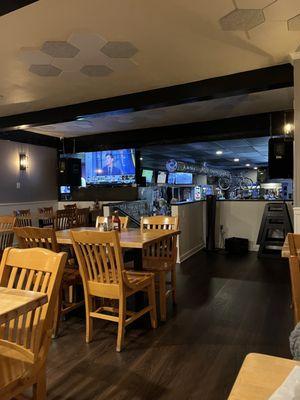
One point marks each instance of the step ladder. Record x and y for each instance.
(275, 225)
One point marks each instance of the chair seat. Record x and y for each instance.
(134, 278)
(14, 368)
(139, 279)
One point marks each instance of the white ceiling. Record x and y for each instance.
(272, 100)
(175, 42)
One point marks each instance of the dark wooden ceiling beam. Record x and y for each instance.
(30, 138)
(275, 77)
(7, 6)
(257, 125)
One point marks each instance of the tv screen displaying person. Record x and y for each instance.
(126, 162)
(109, 168)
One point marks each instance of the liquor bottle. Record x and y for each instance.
(116, 222)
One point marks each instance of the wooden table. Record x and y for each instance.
(129, 238)
(14, 302)
(260, 376)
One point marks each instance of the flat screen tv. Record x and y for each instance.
(161, 177)
(183, 178)
(109, 167)
(65, 190)
(148, 174)
(172, 178)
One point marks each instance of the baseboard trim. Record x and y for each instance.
(191, 252)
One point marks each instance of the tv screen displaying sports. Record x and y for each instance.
(109, 167)
(148, 174)
(161, 177)
(184, 178)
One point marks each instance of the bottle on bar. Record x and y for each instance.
(116, 221)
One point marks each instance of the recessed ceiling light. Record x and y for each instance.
(141, 158)
(255, 168)
(219, 152)
(247, 165)
(236, 159)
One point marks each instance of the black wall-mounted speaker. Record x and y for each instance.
(69, 172)
(281, 164)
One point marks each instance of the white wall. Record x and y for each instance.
(191, 226)
(9, 208)
(241, 219)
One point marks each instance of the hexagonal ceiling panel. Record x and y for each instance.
(45, 70)
(96, 70)
(59, 49)
(242, 20)
(87, 42)
(33, 56)
(119, 49)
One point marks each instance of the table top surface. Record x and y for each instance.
(14, 302)
(129, 238)
(260, 376)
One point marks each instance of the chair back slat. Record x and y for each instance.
(159, 222)
(47, 215)
(82, 216)
(99, 256)
(38, 270)
(161, 252)
(102, 220)
(65, 219)
(23, 217)
(30, 237)
(7, 222)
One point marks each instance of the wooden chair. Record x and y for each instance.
(159, 222)
(24, 341)
(82, 216)
(101, 220)
(104, 276)
(47, 215)
(22, 212)
(152, 261)
(294, 247)
(159, 257)
(23, 218)
(7, 235)
(29, 237)
(70, 206)
(47, 210)
(65, 219)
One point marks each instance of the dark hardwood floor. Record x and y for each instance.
(227, 307)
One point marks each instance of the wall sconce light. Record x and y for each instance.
(288, 128)
(23, 162)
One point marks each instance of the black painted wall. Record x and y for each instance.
(37, 183)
